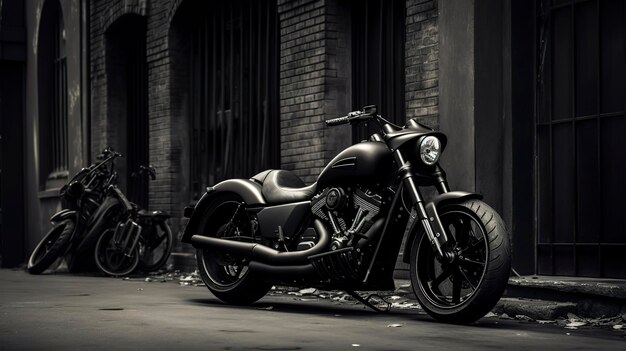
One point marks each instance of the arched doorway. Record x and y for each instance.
(127, 102)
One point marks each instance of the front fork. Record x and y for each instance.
(426, 214)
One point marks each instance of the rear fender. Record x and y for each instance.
(441, 200)
(249, 191)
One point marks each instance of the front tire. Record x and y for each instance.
(52, 246)
(227, 276)
(464, 290)
(111, 257)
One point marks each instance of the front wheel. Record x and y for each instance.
(52, 246)
(465, 288)
(113, 256)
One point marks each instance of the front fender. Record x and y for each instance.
(249, 191)
(63, 215)
(441, 200)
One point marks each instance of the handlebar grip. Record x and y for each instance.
(337, 121)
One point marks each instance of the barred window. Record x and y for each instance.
(52, 89)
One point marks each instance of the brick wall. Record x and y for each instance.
(422, 61)
(315, 84)
(312, 87)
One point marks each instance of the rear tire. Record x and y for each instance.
(226, 276)
(466, 289)
(52, 246)
(156, 248)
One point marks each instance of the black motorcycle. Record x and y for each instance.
(345, 231)
(88, 212)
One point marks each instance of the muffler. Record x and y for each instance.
(264, 254)
(283, 272)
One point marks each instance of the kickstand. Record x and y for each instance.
(366, 301)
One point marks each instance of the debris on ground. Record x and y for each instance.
(401, 298)
(394, 325)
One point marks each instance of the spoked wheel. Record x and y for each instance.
(156, 246)
(227, 276)
(52, 246)
(112, 256)
(467, 286)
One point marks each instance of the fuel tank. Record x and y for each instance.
(365, 163)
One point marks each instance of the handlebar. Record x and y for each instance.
(368, 113)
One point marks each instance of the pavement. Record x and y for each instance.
(173, 310)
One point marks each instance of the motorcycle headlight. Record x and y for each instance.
(430, 150)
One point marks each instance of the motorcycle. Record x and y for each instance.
(88, 212)
(136, 238)
(345, 231)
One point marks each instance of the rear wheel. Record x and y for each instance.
(52, 246)
(156, 247)
(227, 276)
(465, 289)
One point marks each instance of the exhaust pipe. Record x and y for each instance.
(282, 272)
(262, 253)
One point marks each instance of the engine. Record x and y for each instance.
(349, 212)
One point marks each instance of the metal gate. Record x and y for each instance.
(378, 28)
(580, 138)
(137, 143)
(234, 99)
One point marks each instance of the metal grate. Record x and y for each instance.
(234, 85)
(580, 127)
(378, 60)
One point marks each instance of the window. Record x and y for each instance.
(52, 89)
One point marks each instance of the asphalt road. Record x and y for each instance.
(61, 312)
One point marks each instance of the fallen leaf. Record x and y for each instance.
(575, 324)
(308, 291)
(545, 321)
(572, 316)
(490, 315)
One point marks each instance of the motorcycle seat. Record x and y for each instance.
(153, 214)
(280, 187)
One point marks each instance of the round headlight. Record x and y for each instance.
(430, 150)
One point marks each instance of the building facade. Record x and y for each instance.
(530, 94)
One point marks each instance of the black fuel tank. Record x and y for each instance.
(365, 163)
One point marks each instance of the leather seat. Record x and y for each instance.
(280, 187)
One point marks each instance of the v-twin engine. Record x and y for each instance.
(350, 212)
